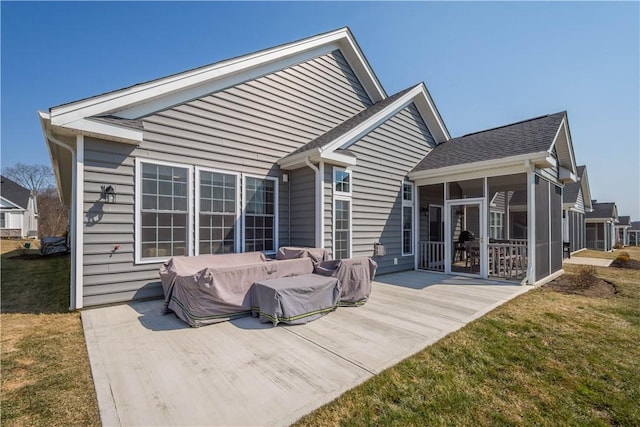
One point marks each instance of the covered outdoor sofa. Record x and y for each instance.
(209, 289)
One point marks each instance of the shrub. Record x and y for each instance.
(585, 277)
(618, 245)
(623, 257)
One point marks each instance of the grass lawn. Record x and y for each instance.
(544, 358)
(46, 379)
(590, 253)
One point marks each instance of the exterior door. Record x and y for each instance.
(465, 237)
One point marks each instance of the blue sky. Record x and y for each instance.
(485, 64)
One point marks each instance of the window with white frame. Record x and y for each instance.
(342, 224)
(407, 218)
(164, 210)
(217, 212)
(341, 181)
(496, 225)
(3, 220)
(260, 214)
(342, 187)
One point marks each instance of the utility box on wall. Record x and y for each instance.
(379, 249)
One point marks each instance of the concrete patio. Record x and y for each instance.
(151, 369)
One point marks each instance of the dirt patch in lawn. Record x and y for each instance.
(597, 287)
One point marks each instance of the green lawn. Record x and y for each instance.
(543, 358)
(46, 379)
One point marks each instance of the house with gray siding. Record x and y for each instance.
(622, 230)
(296, 145)
(634, 233)
(576, 202)
(18, 210)
(600, 224)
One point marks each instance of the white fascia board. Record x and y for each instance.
(372, 122)
(338, 159)
(316, 155)
(9, 202)
(297, 160)
(431, 116)
(105, 130)
(146, 98)
(45, 124)
(563, 129)
(487, 166)
(566, 175)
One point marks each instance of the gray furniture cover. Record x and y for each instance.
(317, 255)
(205, 289)
(355, 276)
(294, 300)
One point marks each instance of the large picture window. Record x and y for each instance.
(217, 212)
(260, 214)
(407, 218)
(164, 211)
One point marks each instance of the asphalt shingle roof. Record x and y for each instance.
(571, 190)
(14, 192)
(528, 136)
(624, 220)
(635, 225)
(349, 124)
(601, 210)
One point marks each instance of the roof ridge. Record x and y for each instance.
(511, 124)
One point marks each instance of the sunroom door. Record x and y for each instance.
(465, 225)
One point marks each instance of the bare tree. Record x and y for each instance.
(32, 177)
(53, 216)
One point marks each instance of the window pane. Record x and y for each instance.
(341, 243)
(407, 192)
(259, 214)
(164, 188)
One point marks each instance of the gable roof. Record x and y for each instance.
(340, 137)
(14, 192)
(526, 137)
(606, 210)
(572, 189)
(624, 220)
(143, 99)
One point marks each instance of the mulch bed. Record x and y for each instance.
(598, 288)
(633, 264)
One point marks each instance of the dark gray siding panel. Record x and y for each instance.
(245, 129)
(555, 209)
(303, 212)
(385, 156)
(542, 228)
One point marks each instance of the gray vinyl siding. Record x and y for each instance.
(385, 156)
(303, 212)
(244, 129)
(580, 202)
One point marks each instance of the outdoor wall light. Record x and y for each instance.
(108, 194)
(425, 211)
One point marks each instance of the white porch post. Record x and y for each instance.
(78, 223)
(531, 232)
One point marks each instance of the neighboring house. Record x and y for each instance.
(622, 230)
(298, 145)
(576, 199)
(601, 223)
(634, 233)
(18, 210)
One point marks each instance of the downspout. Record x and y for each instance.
(75, 291)
(318, 199)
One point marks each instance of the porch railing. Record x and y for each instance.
(597, 245)
(431, 256)
(508, 259)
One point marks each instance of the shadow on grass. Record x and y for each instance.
(32, 284)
